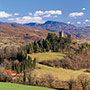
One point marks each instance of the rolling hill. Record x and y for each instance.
(12, 35)
(53, 26)
(10, 86)
(15, 25)
(63, 74)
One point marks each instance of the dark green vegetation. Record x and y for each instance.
(25, 65)
(52, 43)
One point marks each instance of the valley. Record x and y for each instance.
(44, 45)
(50, 60)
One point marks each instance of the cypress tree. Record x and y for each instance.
(24, 76)
(40, 46)
(18, 68)
(30, 78)
(34, 63)
(30, 48)
(51, 37)
(47, 45)
(36, 47)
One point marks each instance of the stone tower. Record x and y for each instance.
(61, 34)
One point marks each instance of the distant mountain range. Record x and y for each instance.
(15, 25)
(54, 26)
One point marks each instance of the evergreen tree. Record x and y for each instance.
(30, 48)
(34, 63)
(51, 37)
(24, 76)
(69, 36)
(8, 66)
(29, 62)
(21, 55)
(18, 68)
(36, 47)
(30, 78)
(40, 45)
(47, 45)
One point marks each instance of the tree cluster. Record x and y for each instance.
(23, 66)
(52, 43)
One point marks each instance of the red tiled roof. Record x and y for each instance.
(13, 75)
(8, 71)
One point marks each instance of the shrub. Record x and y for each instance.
(84, 81)
(71, 83)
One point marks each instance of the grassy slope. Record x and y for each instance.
(47, 56)
(62, 74)
(9, 86)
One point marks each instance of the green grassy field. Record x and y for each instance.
(10, 86)
(60, 73)
(47, 56)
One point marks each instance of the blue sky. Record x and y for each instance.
(75, 12)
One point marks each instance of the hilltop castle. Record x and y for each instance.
(61, 34)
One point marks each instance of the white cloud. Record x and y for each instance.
(68, 22)
(16, 14)
(83, 8)
(4, 14)
(37, 13)
(57, 12)
(30, 14)
(87, 20)
(51, 12)
(78, 22)
(47, 15)
(11, 19)
(28, 19)
(76, 14)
